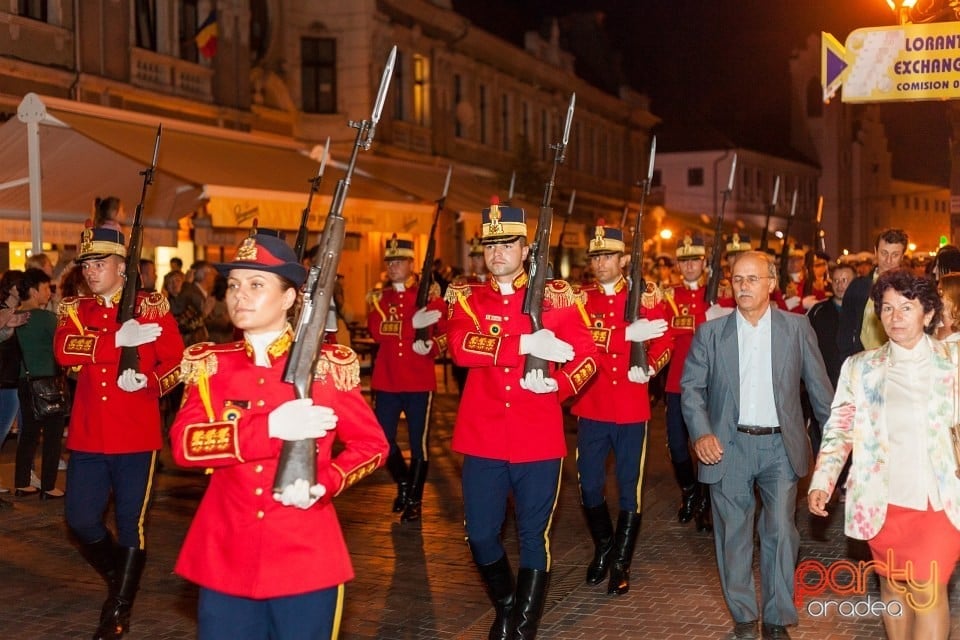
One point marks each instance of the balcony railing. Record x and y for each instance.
(171, 75)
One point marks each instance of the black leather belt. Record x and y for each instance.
(757, 431)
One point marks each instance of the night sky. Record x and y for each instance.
(725, 62)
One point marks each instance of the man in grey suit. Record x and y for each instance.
(741, 403)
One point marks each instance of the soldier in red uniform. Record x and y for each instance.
(688, 310)
(115, 423)
(404, 379)
(510, 424)
(269, 565)
(614, 408)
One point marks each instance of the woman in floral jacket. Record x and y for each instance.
(893, 410)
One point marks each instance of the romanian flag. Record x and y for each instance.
(206, 37)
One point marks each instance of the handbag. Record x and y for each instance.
(49, 395)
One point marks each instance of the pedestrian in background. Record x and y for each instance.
(284, 576)
(35, 340)
(742, 407)
(892, 416)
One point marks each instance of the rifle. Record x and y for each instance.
(298, 459)
(540, 249)
(563, 230)
(716, 266)
(426, 276)
(301, 244)
(785, 249)
(819, 238)
(127, 307)
(770, 210)
(624, 215)
(638, 350)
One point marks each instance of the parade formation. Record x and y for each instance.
(752, 355)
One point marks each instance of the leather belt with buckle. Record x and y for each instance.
(757, 431)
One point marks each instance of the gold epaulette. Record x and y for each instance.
(341, 364)
(561, 294)
(374, 295)
(457, 281)
(200, 360)
(456, 290)
(154, 306)
(66, 304)
(652, 296)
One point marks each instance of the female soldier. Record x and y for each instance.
(269, 565)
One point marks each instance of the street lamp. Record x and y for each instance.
(902, 9)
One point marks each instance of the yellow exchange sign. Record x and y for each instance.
(884, 64)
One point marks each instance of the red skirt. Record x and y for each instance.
(925, 539)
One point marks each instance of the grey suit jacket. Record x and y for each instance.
(710, 386)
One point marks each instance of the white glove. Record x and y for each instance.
(422, 347)
(423, 318)
(792, 302)
(808, 302)
(536, 383)
(544, 344)
(131, 381)
(300, 494)
(638, 375)
(716, 311)
(300, 419)
(134, 334)
(642, 330)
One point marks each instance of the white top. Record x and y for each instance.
(755, 343)
(260, 342)
(906, 392)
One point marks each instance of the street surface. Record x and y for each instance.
(417, 581)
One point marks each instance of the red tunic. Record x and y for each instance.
(398, 367)
(610, 396)
(106, 419)
(242, 542)
(498, 419)
(687, 312)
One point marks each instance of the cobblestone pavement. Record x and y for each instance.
(417, 581)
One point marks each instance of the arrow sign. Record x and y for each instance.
(886, 64)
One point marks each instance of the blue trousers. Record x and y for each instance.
(91, 477)
(677, 436)
(595, 441)
(416, 406)
(307, 616)
(535, 487)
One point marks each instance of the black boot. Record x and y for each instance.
(687, 481)
(601, 530)
(498, 578)
(531, 595)
(417, 477)
(628, 526)
(115, 614)
(398, 471)
(101, 555)
(703, 515)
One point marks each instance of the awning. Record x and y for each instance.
(88, 151)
